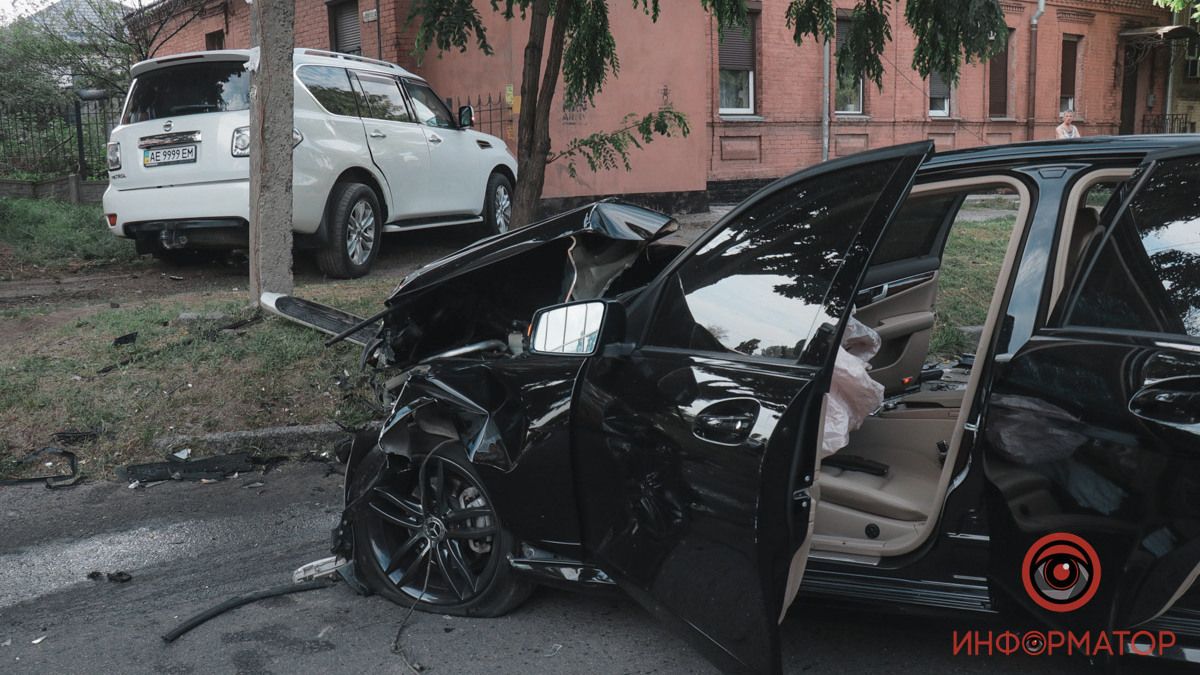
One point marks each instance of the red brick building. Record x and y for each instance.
(759, 105)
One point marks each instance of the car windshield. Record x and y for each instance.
(188, 89)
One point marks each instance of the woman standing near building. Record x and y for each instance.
(1067, 129)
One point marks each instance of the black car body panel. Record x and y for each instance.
(605, 463)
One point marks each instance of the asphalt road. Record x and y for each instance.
(189, 546)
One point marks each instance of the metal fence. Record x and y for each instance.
(493, 115)
(1174, 123)
(56, 140)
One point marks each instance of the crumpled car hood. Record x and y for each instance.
(490, 289)
(609, 219)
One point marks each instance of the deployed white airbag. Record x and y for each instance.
(853, 395)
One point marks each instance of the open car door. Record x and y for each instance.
(1090, 432)
(696, 441)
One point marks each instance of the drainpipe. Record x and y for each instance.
(379, 34)
(825, 66)
(1033, 50)
(1171, 71)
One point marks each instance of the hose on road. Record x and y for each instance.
(234, 603)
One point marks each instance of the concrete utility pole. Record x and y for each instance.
(271, 142)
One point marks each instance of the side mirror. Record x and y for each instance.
(466, 117)
(577, 328)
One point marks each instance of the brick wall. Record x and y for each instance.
(676, 59)
(785, 133)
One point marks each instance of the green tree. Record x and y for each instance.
(1190, 8)
(93, 43)
(571, 41)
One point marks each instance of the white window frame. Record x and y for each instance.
(862, 107)
(944, 111)
(738, 111)
(1191, 61)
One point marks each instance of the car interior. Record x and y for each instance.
(880, 495)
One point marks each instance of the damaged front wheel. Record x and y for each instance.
(431, 536)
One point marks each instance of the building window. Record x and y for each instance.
(939, 95)
(998, 81)
(737, 56)
(1191, 60)
(848, 97)
(1070, 65)
(214, 40)
(344, 28)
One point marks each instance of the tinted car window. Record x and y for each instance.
(384, 101)
(915, 232)
(1146, 277)
(188, 89)
(758, 285)
(430, 109)
(331, 87)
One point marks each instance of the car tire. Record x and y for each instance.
(354, 228)
(497, 204)
(499, 589)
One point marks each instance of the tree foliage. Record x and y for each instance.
(1189, 8)
(93, 43)
(610, 150)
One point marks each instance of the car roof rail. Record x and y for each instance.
(350, 57)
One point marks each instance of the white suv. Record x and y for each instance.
(376, 151)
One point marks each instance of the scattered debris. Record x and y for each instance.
(182, 454)
(55, 481)
(114, 305)
(234, 603)
(38, 641)
(126, 339)
(174, 277)
(554, 649)
(73, 436)
(119, 577)
(255, 484)
(205, 469)
(95, 575)
(6, 643)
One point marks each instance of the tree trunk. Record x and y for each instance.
(271, 150)
(534, 139)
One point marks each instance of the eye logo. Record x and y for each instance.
(1061, 572)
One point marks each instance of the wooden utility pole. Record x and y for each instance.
(271, 142)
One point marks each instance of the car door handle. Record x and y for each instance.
(435, 139)
(1174, 401)
(727, 422)
(378, 134)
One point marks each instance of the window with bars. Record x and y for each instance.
(848, 97)
(939, 95)
(998, 81)
(737, 56)
(1070, 66)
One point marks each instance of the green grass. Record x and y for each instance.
(179, 377)
(974, 253)
(45, 233)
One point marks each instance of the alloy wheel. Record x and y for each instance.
(433, 533)
(502, 206)
(360, 232)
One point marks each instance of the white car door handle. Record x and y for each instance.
(435, 139)
(378, 134)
